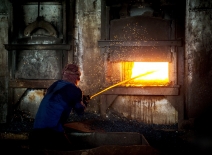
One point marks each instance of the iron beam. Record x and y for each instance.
(37, 47)
(104, 43)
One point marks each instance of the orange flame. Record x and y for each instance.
(158, 78)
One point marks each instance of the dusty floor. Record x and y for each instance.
(164, 138)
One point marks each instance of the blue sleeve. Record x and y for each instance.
(75, 94)
(79, 108)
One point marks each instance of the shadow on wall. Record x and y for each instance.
(202, 124)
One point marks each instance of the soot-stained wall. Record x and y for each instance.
(198, 66)
(193, 70)
(4, 74)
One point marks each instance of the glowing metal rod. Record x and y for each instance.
(144, 74)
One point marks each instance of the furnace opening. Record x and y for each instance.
(160, 76)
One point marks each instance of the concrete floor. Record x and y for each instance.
(163, 140)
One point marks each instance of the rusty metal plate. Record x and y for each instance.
(38, 64)
(140, 28)
(144, 54)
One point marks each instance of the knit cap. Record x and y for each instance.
(71, 73)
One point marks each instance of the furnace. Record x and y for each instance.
(37, 51)
(137, 42)
(136, 38)
(138, 46)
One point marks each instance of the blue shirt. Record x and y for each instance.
(56, 106)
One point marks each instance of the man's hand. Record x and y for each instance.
(86, 99)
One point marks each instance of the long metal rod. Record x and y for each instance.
(144, 74)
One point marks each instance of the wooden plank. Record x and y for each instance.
(30, 83)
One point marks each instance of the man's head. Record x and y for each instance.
(71, 73)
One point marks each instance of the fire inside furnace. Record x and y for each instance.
(160, 76)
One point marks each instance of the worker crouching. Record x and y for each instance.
(61, 98)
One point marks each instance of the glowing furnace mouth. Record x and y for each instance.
(158, 78)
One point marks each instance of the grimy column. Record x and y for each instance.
(3, 62)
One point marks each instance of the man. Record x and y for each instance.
(61, 98)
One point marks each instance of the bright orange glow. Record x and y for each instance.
(158, 78)
(161, 69)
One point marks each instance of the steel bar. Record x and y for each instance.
(103, 43)
(144, 74)
(37, 47)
